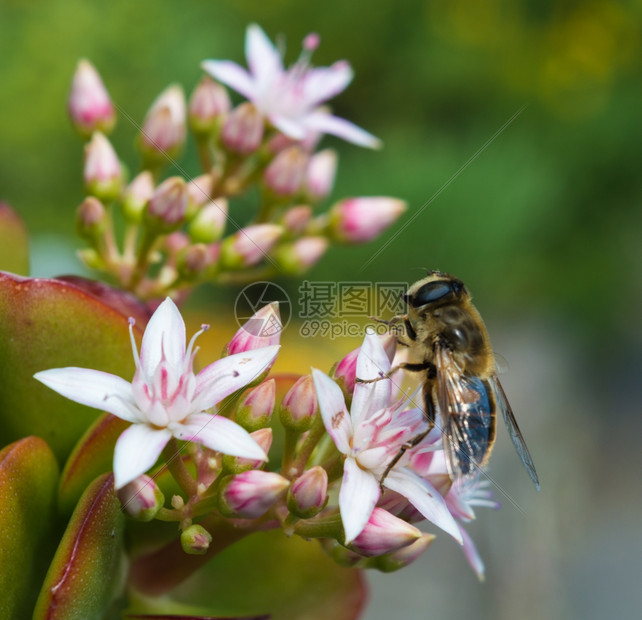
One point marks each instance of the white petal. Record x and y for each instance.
(372, 363)
(137, 449)
(263, 58)
(324, 83)
(472, 555)
(232, 75)
(165, 332)
(220, 434)
(93, 388)
(229, 374)
(326, 123)
(333, 410)
(425, 498)
(290, 127)
(358, 496)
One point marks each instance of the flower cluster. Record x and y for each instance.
(179, 232)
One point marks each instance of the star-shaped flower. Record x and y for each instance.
(290, 99)
(165, 398)
(370, 436)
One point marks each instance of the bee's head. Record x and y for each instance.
(436, 289)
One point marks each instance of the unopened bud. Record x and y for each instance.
(208, 103)
(141, 498)
(320, 175)
(298, 256)
(103, 172)
(136, 196)
(199, 190)
(299, 405)
(296, 219)
(195, 259)
(390, 562)
(357, 220)
(168, 205)
(285, 174)
(208, 224)
(384, 533)
(251, 494)
(255, 410)
(163, 130)
(90, 107)
(235, 465)
(195, 540)
(308, 494)
(250, 245)
(262, 329)
(90, 218)
(242, 130)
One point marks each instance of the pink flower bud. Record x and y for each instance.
(199, 190)
(262, 329)
(195, 259)
(168, 205)
(141, 499)
(136, 196)
(250, 245)
(242, 130)
(208, 103)
(296, 219)
(90, 218)
(298, 256)
(403, 557)
(299, 405)
(208, 224)
(285, 174)
(249, 495)
(163, 130)
(356, 220)
(255, 410)
(236, 465)
(103, 173)
(195, 540)
(90, 107)
(308, 494)
(320, 174)
(384, 533)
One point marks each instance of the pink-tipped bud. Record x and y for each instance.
(208, 103)
(164, 130)
(298, 256)
(136, 196)
(308, 494)
(90, 107)
(320, 175)
(90, 218)
(251, 494)
(357, 220)
(195, 540)
(208, 224)
(236, 465)
(250, 245)
(296, 219)
(103, 172)
(194, 260)
(262, 329)
(384, 533)
(403, 557)
(299, 405)
(141, 499)
(286, 172)
(255, 410)
(168, 204)
(242, 131)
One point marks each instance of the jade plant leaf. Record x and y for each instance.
(87, 571)
(51, 324)
(14, 248)
(28, 483)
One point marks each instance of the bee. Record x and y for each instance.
(447, 335)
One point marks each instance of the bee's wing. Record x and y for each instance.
(513, 429)
(467, 417)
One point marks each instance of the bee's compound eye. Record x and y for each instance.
(431, 292)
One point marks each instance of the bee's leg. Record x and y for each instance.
(419, 367)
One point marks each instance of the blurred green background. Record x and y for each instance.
(542, 221)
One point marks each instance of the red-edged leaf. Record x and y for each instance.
(14, 247)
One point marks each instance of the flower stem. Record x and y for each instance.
(309, 443)
(172, 455)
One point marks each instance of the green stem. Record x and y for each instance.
(204, 153)
(142, 264)
(172, 455)
(309, 443)
(326, 527)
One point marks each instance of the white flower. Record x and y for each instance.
(290, 99)
(370, 436)
(165, 399)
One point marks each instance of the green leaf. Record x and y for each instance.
(28, 481)
(14, 247)
(52, 324)
(88, 569)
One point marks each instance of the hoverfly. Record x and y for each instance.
(446, 333)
